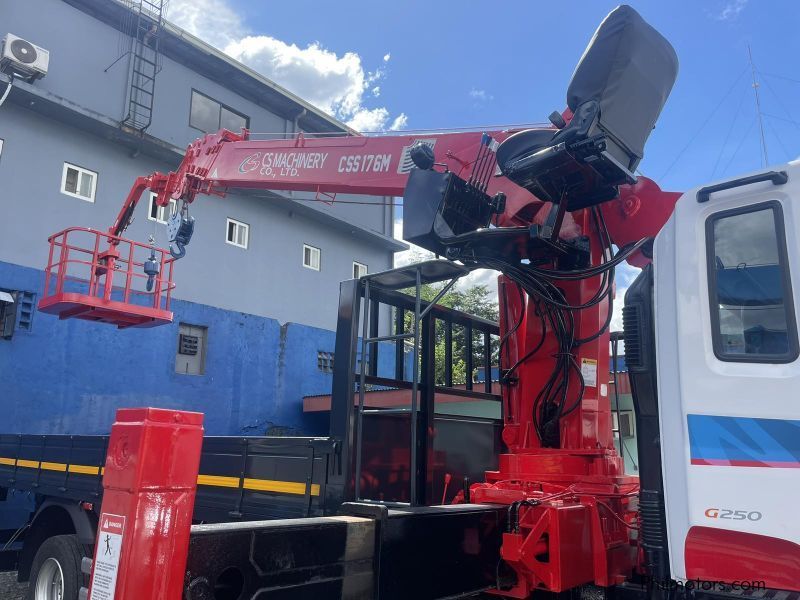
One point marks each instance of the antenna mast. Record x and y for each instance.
(758, 107)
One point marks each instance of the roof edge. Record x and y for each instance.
(109, 11)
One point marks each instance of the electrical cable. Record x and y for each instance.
(699, 129)
(615, 515)
(329, 202)
(730, 131)
(410, 132)
(625, 446)
(517, 325)
(8, 90)
(780, 141)
(739, 147)
(533, 350)
(780, 77)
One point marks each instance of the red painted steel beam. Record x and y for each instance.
(149, 487)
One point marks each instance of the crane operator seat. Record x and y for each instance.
(615, 95)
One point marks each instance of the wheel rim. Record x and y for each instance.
(50, 581)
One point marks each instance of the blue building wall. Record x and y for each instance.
(71, 376)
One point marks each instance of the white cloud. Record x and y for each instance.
(336, 84)
(731, 10)
(376, 119)
(386, 57)
(376, 91)
(367, 119)
(400, 122)
(213, 21)
(480, 95)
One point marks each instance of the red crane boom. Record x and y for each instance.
(545, 485)
(571, 506)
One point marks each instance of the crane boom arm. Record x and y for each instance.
(377, 165)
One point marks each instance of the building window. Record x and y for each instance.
(16, 312)
(325, 361)
(158, 213)
(78, 182)
(752, 311)
(359, 270)
(237, 233)
(624, 424)
(311, 257)
(190, 358)
(206, 114)
(8, 314)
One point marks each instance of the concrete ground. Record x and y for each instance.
(10, 589)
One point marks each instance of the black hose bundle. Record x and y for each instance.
(555, 313)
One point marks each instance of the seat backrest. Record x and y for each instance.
(629, 69)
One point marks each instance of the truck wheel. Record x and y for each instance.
(56, 569)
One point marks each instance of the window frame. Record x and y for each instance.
(318, 268)
(8, 312)
(202, 349)
(360, 265)
(219, 115)
(169, 207)
(228, 221)
(786, 280)
(615, 416)
(81, 170)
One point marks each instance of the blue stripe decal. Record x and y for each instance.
(744, 441)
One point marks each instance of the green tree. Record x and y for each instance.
(477, 301)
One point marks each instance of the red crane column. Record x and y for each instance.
(149, 487)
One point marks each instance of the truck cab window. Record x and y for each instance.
(752, 312)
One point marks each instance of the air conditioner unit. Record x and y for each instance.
(23, 59)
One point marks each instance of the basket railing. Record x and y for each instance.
(100, 265)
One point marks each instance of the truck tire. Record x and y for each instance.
(56, 569)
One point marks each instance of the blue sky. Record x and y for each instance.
(417, 64)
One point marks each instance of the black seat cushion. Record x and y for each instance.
(521, 144)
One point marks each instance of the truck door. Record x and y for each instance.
(726, 269)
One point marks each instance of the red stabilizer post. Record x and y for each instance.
(149, 487)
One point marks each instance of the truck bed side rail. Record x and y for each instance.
(240, 477)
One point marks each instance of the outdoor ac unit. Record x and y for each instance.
(22, 58)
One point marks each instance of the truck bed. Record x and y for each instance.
(244, 478)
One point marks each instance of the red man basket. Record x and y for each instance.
(96, 276)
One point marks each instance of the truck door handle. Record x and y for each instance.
(776, 177)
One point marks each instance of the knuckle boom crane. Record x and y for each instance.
(554, 209)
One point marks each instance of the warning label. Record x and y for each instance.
(106, 561)
(589, 372)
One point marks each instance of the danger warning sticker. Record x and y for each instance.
(589, 372)
(106, 561)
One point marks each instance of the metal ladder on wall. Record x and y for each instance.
(144, 66)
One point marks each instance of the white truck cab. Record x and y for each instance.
(723, 329)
